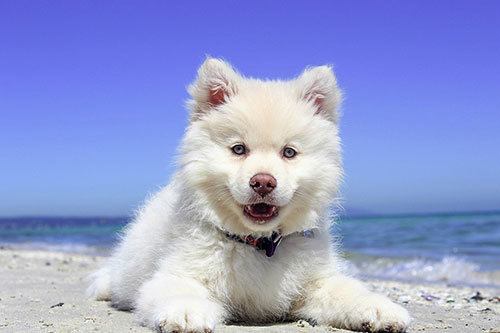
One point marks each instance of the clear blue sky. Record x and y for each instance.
(92, 93)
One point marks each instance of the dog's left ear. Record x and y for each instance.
(318, 86)
(216, 83)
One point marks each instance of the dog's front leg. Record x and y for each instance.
(172, 304)
(344, 302)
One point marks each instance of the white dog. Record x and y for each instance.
(242, 231)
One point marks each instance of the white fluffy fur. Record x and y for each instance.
(177, 269)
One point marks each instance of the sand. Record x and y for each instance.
(44, 292)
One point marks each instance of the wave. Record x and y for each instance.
(75, 248)
(451, 270)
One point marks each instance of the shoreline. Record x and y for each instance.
(377, 265)
(45, 292)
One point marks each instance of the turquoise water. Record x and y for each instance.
(455, 248)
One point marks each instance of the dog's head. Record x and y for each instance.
(265, 155)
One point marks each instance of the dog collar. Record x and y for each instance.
(268, 244)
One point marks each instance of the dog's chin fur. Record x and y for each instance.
(175, 265)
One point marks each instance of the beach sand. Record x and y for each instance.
(45, 292)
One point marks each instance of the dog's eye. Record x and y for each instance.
(289, 152)
(239, 149)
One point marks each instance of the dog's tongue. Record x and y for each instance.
(261, 209)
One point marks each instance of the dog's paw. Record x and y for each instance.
(99, 286)
(187, 314)
(378, 314)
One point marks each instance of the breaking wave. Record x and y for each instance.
(451, 270)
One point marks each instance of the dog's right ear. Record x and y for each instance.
(215, 84)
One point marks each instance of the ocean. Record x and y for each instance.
(459, 249)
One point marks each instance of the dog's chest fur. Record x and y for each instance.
(252, 286)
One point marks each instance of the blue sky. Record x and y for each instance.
(92, 94)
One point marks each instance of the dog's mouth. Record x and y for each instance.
(261, 212)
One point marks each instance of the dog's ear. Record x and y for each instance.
(215, 84)
(318, 86)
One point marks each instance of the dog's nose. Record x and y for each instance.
(263, 183)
